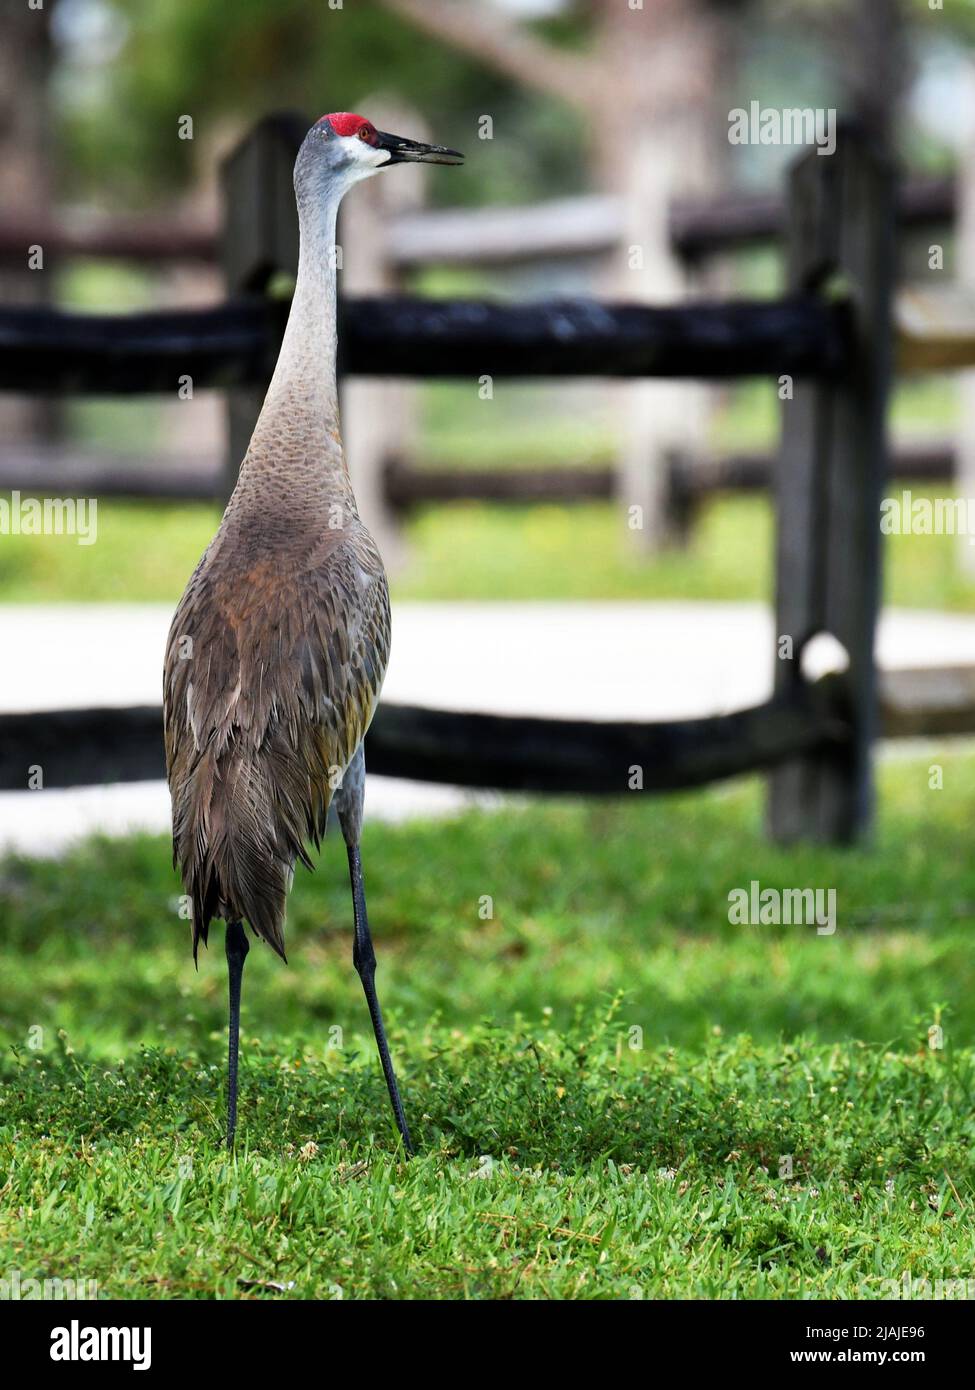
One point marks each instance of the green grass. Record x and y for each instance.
(544, 552)
(146, 552)
(604, 1076)
(591, 1179)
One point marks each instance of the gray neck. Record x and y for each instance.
(307, 356)
(297, 432)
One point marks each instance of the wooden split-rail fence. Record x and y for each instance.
(833, 332)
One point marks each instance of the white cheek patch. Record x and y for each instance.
(364, 156)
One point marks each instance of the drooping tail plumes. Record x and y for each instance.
(237, 832)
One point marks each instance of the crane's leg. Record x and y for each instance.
(348, 803)
(237, 948)
(364, 960)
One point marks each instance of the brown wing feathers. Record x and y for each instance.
(275, 696)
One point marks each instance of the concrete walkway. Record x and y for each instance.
(585, 660)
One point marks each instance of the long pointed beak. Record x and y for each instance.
(402, 151)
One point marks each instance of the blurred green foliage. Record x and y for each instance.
(227, 62)
(128, 69)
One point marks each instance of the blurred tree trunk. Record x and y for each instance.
(870, 46)
(965, 275)
(651, 90)
(659, 135)
(25, 64)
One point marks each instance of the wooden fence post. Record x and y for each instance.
(259, 240)
(830, 478)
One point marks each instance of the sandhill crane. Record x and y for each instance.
(278, 648)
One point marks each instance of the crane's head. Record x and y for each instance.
(344, 148)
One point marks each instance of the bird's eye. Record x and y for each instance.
(364, 132)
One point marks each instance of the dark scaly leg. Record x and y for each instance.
(348, 803)
(237, 948)
(364, 960)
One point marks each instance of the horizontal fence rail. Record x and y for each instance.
(64, 469)
(46, 351)
(730, 221)
(690, 481)
(58, 469)
(582, 756)
(407, 337)
(506, 753)
(92, 747)
(590, 224)
(406, 486)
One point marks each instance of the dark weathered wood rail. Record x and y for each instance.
(690, 481)
(734, 220)
(697, 228)
(582, 756)
(95, 746)
(100, 746)
(159, 239)
(409, 337)
(59, 469)
(408, 486)
(47, 351)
